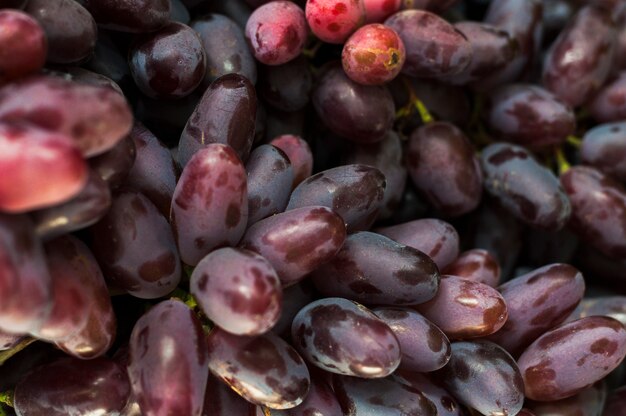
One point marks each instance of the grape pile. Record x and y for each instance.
(312, 207)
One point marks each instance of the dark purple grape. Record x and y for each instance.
(333, 21)
(96, 118)
(226, 114)
(179, 12)
(424, 347)
(41, 168)
(226, 49)
(85, 76)
(320, 401)
(221, 400)
(580, 59)
(210, 203)
(610, 103)
(604, 147)
(355, 192)
(270, 177)
(236, 10)
(169, 63)
(114, 165)
(537, 302)
(485, 377)
(381, 397)
(70, 30)
(298, 241)
(70, 386)
(108, 61)
(134, 16)
(360, 113)
(569, 358)
(286, 87)
(238, 290)
(611, 306)
(276, 32)
(135, 247)
(299, 154)
(434, 48)
(264, 370)
(444, 402)
(616, 403)
(477, 265)
(525, 188)
(373, 269)
(598, 209)
(464, 309)
(23, 45)
(436, 238)
(168, 361)
(443, 166)
(589, 402)
(343, 337)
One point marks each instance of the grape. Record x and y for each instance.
(154, 172)
(434, 48)
(377, 11)
(135, 247)
(529, 115)
(226, 49)
(537, 302)
(525, 188)
(603, 147)
(295, 297)
(374, 269)
(108, 61)
(42, 168)
(85, 76)
(69, 386)
(221, 400)
(168, 361)
(589, 402)
(96, 118)
(270, 177)
(556, 14)
(443, 166)
(169, 63)
(276, 32)
(444, 402)
(333, 21)
(616, 402)
(263, 370)
(373, 55)
(611, 306)
(569, 358)
(484, 377)
(381, 397)
(114, 165)
(598, 209)
(580, 59)
(298, 241)
(343, 337)
(465, 309)
(210, 204)
(610, 103)
(299, 154)
(70, 30)
(320, 401)
(134, 16)
(477, 265)
(436, 238)
(286, 87)
(23, 45)
(424, 347)
(225, 114)
(236, 10)
(179, 12)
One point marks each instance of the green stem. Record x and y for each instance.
(561, 161)
(6, 397)
(414, 103)
(5, 355)
(574, 141)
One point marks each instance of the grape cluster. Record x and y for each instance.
(312, 207)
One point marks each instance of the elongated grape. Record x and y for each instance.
(297, 242)
(569, 358)
(604, 146)
(444, 402)
(221, 400)
(598, 209)
(332, 21)
(286, 87)
(168, 361)
(434, 48)
(114, 165)
(96, 118)
(464, 309)
(355, 192)
(23, 57)
(536, 302)
(264, 370)
(589, 402)
(225, 114)
(373, 269)
(299, 154)
(210, 205)
(424, 347)
(134, 16)
(443, 166)
(478, 265)
(611, 306)
(343, 337)
(435, 238)
(533, 194)
(97, 386)
(270, 177)
(485, 377)
(361, 113)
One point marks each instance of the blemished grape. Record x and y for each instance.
(320, 401)
(604, 146)
(373, 55)
(299, 154)
(23, 45)
(478, 265)
(135, 16)
(333, 21)
(445, 403)
(343, 337)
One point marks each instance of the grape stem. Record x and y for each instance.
(5, 355)
(574, 141)
(6, 397)
(414, 103)
(312, 51)
(561, 161)
(186, 297)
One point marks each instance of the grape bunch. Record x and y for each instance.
(312, 207)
